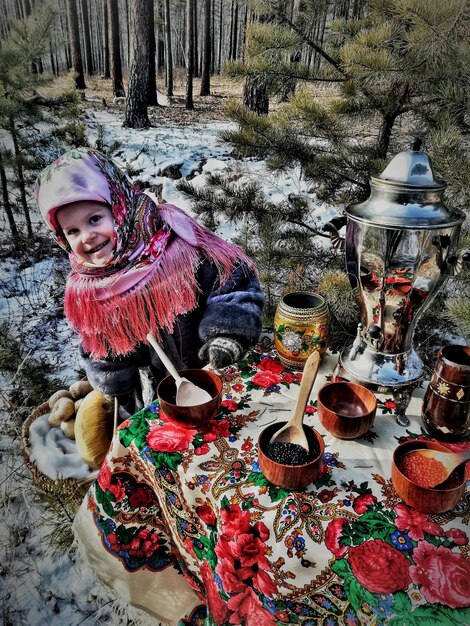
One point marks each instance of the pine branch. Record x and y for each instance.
(304, 37)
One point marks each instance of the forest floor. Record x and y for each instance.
(98, 94)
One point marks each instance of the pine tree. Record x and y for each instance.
(21, 108)
(403, 62)
(362, 87)
(27, 42)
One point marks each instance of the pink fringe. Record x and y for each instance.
(116, 325)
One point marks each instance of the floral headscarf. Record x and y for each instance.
(150, 278)
(85, 174)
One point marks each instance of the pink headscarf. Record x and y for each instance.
(150, 277)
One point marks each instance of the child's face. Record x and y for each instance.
(89, 229)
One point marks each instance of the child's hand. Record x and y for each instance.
(221, 351)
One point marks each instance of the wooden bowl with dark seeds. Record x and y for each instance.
(284, 464)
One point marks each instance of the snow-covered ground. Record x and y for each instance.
(40, 587)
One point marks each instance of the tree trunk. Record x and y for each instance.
(169, 53)
(385, 133)
(152, 82)
(206, 52)
(6, 202)
(86, 33)
(196, 68)
(63, 35)
(221, 32)
(115, 50)
(255, 95)
(20, 175)
(233, 52)
(136, 101)
(160, 37)
(189, 104)
(213, 39)
(77, 63)
(106, 70)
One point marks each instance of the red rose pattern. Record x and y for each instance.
(459, 537)
(170, 438)
(242, 564)
(104, 476)
(333, 534)
(247, 609)
(206, 514)
(441, 575)
(379, 567)
(230, 405)
(266, 379)
(414, 523)
(270, 365)
(363, 502)
(217, 607)
(140, 498)
(234, 521)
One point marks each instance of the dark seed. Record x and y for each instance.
(291, 453)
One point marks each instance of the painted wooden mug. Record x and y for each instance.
(446, 403)
(300, 327)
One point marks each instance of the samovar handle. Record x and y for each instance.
(458, 263)
(333, 227)
(453, 264)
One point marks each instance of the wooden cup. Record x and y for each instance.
(425, 499)
(293, 477)
(346, 410)
(191, 416)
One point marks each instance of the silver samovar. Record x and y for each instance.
(400, 247)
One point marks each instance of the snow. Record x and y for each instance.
(39, 586)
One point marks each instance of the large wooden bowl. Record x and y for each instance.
(424, 499)
(294, 477)
(346, 410)
(191, 416)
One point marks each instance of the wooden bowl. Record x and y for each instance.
(292, 477)
(191, 416)
(424, 499)
(346, 410)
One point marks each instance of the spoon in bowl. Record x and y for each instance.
(449, 462)
(187, 393)
(293, 431)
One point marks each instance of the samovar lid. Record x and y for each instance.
(411, 168)
(407, 195)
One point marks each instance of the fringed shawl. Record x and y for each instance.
(151, 277)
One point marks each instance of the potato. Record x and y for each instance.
(68, 428)
(63, 410)
(62, 393)
(80, 389)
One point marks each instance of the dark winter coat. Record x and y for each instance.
(233, 311)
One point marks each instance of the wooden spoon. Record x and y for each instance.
(450, 461)
(187, 393)
(293, 431)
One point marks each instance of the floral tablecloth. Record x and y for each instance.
(182, 522)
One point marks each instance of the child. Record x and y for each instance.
(140, 267)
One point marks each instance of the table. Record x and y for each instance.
(180, 520)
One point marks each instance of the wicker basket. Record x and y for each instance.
(67, 489)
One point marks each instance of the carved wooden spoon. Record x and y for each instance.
(187, 393)
(293, 431)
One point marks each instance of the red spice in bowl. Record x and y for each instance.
(422, 470)
(438, 499)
